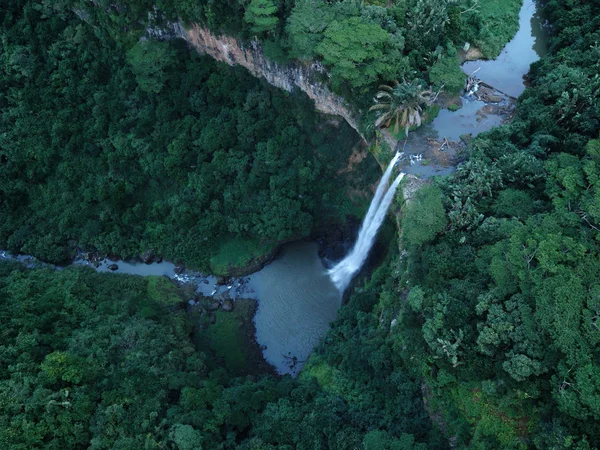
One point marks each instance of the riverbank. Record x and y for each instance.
(229, 331)
(238, 317)
(451, 402)
(489, 100)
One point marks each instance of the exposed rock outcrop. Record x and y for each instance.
(303, 76)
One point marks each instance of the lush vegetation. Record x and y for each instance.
(129, 147)
(361, 43)
(101, 361)
(483, 332)
(503, 301)
(400, 105)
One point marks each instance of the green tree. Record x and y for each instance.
(446, 73)
(424, 217)
(186, 437)
(357, 53)
(261, 14)
(427, 21)
(149, 61)
(401, 104)
(306, 26)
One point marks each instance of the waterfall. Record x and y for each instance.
(342, 272)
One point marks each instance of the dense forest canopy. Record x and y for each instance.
(151, 147)
(105, 361)
(361, 43)
(504, 299)
(481, 331)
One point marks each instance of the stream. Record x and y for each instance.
(530, 43)
(296, 298)
(427, 153)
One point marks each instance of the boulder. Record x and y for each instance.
(221, 280)
(212, 319)
(466, 138)
(112, 267)
(488, 95)
(147, 257)
(222, 297)
(227, 305)
(198, 297)
(179, 270)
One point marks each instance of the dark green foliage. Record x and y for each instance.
(261, 14)
(446, 74)
(504, 305)
(83, 365)
(72, 346)
(152, 148)
(424, 216)
(485, 329)
(490, 24)
(149, 61)
(356, 53)
(361, 44)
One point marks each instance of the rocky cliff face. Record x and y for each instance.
(289, 76)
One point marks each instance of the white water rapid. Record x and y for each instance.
(343, 272)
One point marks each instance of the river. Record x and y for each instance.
(432, 154)
(530, 43)
(297, 301)
(296, 298)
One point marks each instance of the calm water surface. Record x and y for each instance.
(506, 72)
(296, 302)
(296, 298)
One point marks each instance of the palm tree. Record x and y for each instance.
(401, 104)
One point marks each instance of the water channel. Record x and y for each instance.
(530, 43)
(505, 78)
(296, 297)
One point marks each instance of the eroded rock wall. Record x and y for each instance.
(285, 76)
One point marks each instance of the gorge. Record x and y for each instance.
(461, 313)
(286, 284)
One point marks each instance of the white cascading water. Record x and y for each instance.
(343, 272)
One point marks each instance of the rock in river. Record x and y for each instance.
(222, 297)
(488, 95)
(113, 267)
(222, 280)
(147, 257)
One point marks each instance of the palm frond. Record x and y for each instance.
(381, 119)
(382, 95)
(401, 103)
(379, 106)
